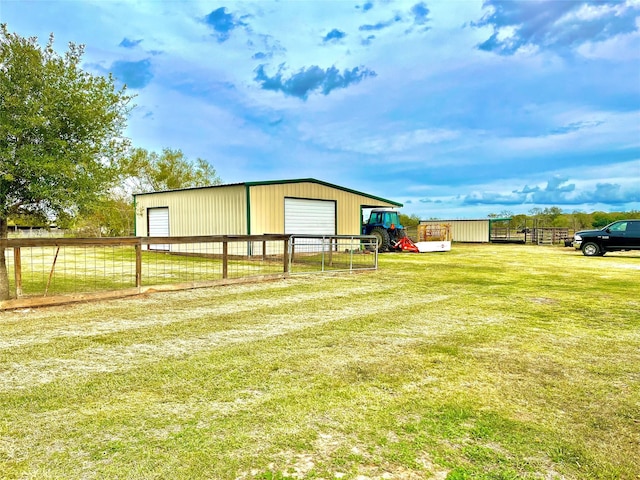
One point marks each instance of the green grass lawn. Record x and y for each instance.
(486, 362)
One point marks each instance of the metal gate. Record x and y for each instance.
(332, 253)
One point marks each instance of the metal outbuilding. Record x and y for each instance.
(472, 231)
(302, 206)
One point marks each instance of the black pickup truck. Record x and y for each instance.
(617, 236)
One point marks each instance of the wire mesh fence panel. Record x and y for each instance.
(255, 258)
(60, 270)
(47, 267)
(182, 264)
(10, 263)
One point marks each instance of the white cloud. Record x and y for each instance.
(585, 130)
(620, 48)
(358, 138)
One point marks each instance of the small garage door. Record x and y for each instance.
(158, 225)
(309, 217)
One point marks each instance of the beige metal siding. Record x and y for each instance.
(267, 205)
(465, 230)
(200, 211)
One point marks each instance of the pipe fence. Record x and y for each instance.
(332, 253)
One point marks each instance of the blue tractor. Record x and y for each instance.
(385, 225)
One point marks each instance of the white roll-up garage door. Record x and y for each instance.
(309, 217)
(158, 225)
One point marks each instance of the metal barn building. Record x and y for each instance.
(472, 231)
(303, 206)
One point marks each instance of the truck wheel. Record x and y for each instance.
(383, 238)
(590, 249)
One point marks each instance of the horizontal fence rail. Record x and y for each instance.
(332, 253)
(49, 271)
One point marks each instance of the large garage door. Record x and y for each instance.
(158, 225)
(309, 217)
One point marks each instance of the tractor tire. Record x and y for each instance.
(395, 236)
(399, 234)
(384, 242)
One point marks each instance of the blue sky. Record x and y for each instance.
(457, 109)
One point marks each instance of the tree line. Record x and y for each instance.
(547, 217)
(556, 217)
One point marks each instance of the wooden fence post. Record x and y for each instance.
(17, 267)
(138, 248)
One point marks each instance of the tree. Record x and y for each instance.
(140, 171)
(519, 221)
(60, 132)
(601, 219)
(579, 220)
(151, 172)
(553, 216)
(502, 214)
(110, 216)
(409, 220)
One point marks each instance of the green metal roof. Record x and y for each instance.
(280, 182)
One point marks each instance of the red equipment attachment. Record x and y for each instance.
(406, 245)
